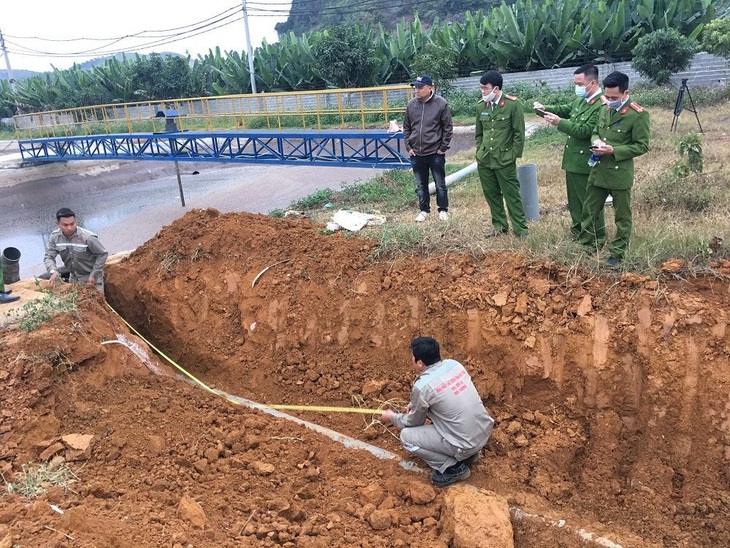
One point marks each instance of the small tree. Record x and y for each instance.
(345, 57)
(690, 153)
(660, 54)
(439, 63)
(716, 37)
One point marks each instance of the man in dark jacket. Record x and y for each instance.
(427, 130)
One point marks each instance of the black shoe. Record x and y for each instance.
(6, 292)
(452, 474)
(495, 233)
(5, 298)
(613, 261)
(473, 459)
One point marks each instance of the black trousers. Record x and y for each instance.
(436, 163)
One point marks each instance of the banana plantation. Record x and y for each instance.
(525, 35)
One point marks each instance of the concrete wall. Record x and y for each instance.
(705, 70)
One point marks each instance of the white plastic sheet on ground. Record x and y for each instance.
(353, 220)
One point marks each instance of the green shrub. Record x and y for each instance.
(528, 93)
(679, 190)
(463, 103)
(39, 311)
(314, 201)
(651, 95)
(716, 37)
(660, 54)
(439, 63)
(690, 151)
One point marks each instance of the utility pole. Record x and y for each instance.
(249, 51)
(11, 79)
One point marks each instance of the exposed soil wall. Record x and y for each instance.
(612, 396)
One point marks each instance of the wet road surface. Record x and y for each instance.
(129, 205)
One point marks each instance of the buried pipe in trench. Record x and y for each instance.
(517, 513)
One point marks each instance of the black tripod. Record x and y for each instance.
(679, 105)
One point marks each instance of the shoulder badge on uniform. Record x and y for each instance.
(593, 101)
(637, 107)
(624, 110)
(510, 97)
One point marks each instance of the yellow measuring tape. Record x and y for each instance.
(314, 408)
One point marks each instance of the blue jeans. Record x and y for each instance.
(437, 164)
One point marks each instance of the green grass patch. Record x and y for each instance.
(316, 200)
(35, 313)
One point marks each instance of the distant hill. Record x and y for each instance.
(18, 74)
(308, 15)
(21, 74)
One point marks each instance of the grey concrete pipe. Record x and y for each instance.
(527, 175)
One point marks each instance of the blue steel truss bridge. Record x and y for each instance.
(372, 148)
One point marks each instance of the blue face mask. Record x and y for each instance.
(580, 91)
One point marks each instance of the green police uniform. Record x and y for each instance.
(500, 139)
(578, 121)
(627, 131)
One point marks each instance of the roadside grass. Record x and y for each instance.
(37, 479)
(666, 225)
(41, 310)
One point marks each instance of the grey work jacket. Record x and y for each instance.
(445, 393)
(82, 253)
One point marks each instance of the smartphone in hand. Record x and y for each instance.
(540, 113)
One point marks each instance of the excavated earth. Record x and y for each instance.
(611, 396)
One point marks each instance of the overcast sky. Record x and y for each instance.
(41, 33)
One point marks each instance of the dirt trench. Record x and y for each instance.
(611, 395)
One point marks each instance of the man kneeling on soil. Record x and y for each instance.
(460, 425)
(80, 250)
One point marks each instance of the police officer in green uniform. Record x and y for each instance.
(577, 120)
(621, 134)
(500, 139)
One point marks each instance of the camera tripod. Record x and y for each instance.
(679, 105)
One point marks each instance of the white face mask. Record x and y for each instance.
(580, 91)
(489, 97)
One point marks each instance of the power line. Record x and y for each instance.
(222, 19)
(133, 35)
(102, 50)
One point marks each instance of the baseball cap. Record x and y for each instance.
(423, 80)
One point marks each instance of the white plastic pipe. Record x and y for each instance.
(456, 176)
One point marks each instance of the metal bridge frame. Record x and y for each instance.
(341, 148)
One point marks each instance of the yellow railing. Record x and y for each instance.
(341, 108)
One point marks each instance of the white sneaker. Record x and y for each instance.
(422, 216)
(443, 215)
